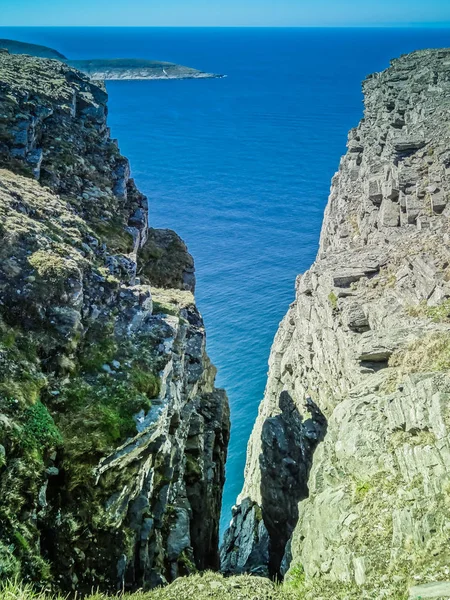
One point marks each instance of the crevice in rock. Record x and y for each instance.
(258, 539)
(374, 366)
(288, 444)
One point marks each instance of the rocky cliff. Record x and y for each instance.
(113, 436)
(348, 469)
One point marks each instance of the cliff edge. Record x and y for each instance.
(348, 467)
(113, 437)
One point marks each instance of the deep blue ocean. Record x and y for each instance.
(240, 167)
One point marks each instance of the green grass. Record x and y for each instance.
(207, 586)
(296, 577)
(428, 354)
(212, 586)
(438, 314)
(113, 233)
(161, 308)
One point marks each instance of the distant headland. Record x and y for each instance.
(112, 69)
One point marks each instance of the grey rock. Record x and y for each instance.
(439, 589)
(389, 213)
(361, 342)
(354, 316)
(179, 537)
(245, 547)
(408, 143)
(52, 471)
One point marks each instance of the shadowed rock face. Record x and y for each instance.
(368, 340)
(113, 436)
(288, 441)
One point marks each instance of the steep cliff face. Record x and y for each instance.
(113, 436)
(363, 355)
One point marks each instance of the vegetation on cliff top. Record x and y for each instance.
(209, 586)
(213, 586)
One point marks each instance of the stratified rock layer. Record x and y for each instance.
(364, 355)
(113, 436)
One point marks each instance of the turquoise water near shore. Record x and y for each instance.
(240, 167)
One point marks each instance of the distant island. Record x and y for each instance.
(111, 69)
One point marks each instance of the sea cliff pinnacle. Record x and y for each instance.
(113, 436)
(347, 479)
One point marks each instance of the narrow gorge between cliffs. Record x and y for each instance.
(114, 424)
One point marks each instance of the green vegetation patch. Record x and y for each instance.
(361, 489)
(171, 301)
(39, 430)
(164, 260)
(113, 233)
(422, 437)
(333, 300)
(438, 314)
(428, 354)
(104, 407)
(296, 577)
(53, 267)
(205, 586)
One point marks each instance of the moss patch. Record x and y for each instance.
(39, 430)
(333, 300)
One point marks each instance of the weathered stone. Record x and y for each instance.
(391, 189)
(374, 190)
(389, 213)
(408, 143)
(245, 547)
(413, 207)
(355, 317)
(179, 537)
(369, 343)
(438, 202)
(430, 590)
(104, 375)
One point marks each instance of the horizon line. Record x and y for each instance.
(431, 24)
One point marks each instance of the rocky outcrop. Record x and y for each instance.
(113, 437)
(363, 353)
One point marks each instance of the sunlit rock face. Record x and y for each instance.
(364, 354)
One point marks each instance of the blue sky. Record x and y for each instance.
(223, 12)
